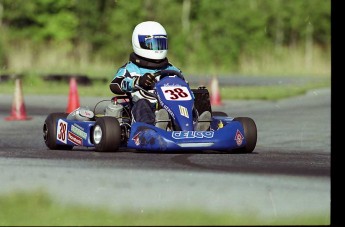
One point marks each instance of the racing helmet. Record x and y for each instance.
(150, 40)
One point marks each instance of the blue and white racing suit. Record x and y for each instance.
(124, 82)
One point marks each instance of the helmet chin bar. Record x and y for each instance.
(148, 63)
(150, 54)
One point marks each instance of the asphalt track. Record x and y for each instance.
(288, 174)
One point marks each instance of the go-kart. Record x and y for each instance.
(112, 127)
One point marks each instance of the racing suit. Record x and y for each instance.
(143, 109)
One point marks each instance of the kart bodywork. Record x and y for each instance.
(107, 132)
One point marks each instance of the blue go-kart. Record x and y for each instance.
(112, 128)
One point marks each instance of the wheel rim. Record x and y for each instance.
(97, 134)
(45, 132)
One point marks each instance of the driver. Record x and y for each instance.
(150, 45)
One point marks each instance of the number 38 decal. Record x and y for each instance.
(176, 93)
(61, 131)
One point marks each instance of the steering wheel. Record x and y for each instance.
(167, 72)
(162, 74)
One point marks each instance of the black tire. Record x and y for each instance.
(219, 114)
(49, 132)
(106, 134)
(250, 133)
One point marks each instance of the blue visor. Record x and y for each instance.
(153, 42)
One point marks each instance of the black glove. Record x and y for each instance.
(147, 81)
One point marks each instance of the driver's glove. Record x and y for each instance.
(147, 81)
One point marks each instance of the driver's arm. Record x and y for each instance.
(123, 81)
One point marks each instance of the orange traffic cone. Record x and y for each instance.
(215, 93)
(18, 112)
(73, 98)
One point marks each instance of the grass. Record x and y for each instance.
(293, 62)
(28, 57)
(275, 92)
(37, 208)
(35, 85)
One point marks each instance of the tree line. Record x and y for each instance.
(206, 31)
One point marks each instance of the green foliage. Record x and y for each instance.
(2, 54)
(40, 20)
(202, 33)
(39, 209)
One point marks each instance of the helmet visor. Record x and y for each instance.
(153, 42)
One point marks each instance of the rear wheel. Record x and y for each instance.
(250, 134)
(49, 132)
(106, 134)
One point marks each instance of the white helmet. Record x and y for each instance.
(150, 40)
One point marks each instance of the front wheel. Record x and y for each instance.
(107, 134)
(250, 134)
(49, 132)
